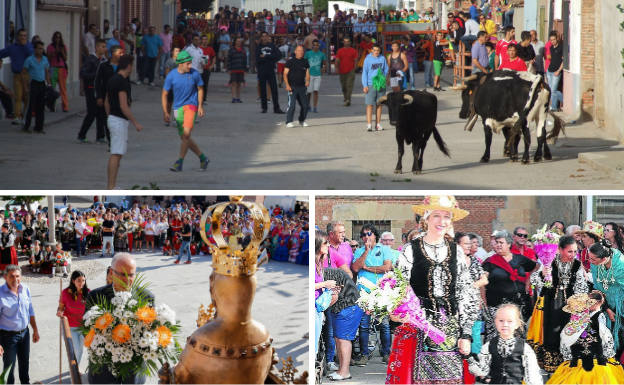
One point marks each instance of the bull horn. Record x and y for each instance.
(382, 100)
(471, 77)
(471, 122)
(409, 99)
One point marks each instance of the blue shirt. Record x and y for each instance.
(376, 257)
(111, 42)
(184, 87)
(474, 13)
(371, 65)
(15, 310)
(18, 53)
(316, 60)
(37, 68)
(151, 44)
(479, 52)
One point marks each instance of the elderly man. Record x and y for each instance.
(123, 271)
(387, 239)
(340, 253)
(16, 312)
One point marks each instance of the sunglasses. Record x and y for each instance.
(354, 246)
(366, 234)
(522, 235)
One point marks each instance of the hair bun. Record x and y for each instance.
(606, 243)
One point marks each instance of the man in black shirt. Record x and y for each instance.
(297, 79)
(185, 248)
(553, 74)
(117, 105)
(267, 54)
(108, 228)
(105, 70)
(88, 73)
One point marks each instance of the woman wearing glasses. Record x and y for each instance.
(439, 276)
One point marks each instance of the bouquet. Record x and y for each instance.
(63, 258)
(129, 336)
(393, 295)
(546, 243)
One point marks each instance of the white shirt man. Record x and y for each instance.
(472, 28)
(197, 54)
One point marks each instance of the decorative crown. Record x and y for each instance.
(226, 261)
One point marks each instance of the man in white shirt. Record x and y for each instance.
(472, 29)
(80, 226)
(196, 53)
(89, 39)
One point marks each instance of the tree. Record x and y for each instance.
(20, 199)
(197, 5)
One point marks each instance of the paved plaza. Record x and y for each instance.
(281, 304)
(250, 150)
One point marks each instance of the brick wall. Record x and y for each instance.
(483, 210)
(588, 55)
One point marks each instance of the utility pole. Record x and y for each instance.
(51, 221)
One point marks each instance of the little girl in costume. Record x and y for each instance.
(587, 345)
(507, 358)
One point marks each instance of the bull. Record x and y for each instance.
(507, 101)
(414, 115)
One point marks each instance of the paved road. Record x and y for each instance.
(249, 150)
(281, 304)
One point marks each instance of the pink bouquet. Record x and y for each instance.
(546, 245)
(394, 296)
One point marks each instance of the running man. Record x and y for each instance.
(188, 92)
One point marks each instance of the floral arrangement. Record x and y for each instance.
(393, 295)
(63, 258)
(546, 243)
(129, 336)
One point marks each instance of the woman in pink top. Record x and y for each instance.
(57, 55)
(72, 306)
(281, 27)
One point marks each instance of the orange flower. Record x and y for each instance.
(164, 336)
(103, 321)
(89, 338)
(146, 314)
(121, 333)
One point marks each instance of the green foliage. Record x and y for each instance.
(321, 5)
(5, 374)
(387, 8)
(22, 199)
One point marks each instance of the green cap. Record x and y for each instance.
(183, 57)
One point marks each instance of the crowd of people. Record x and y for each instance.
(508, 314)
(171, 227)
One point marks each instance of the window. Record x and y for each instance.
(609, 209)
(381, 226)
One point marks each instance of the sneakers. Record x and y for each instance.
(314, 110)
(369, 127)
(384, 359)
(176, 261)
(16, 122)
(360, 361)
(305, 124)
(177, 166)
(83, 141)
(378, 127)
(101, 141)
(187, 262)
(233, 100)
(203, 164)
(264, 111)
(278, 111)
(167, 124)
(347, 103)
(332, 367)
(238, 101)
(290, 125)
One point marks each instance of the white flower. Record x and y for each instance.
(165, 314)
(132, 303)
(128, 314)
(108, 346)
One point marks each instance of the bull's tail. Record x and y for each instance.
(440, 142)
(559, 126)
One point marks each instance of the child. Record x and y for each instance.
(61, 259)
(438, 61)
(37, 257)
(587, 345)
(507, 358)
(491, 51)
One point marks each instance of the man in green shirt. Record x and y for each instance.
(413, 16)
(317, 60)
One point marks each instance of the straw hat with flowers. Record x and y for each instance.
(440, 202)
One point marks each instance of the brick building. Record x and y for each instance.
(487, 213)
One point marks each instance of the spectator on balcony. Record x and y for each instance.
(488, 26)
(413, 16)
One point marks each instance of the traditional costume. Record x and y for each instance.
(587, 346)
(546, 326)
(510, 361)
(597, 230)
(8, 254)
(611, 283)
(441, 280)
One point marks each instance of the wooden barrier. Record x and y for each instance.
(74, 371)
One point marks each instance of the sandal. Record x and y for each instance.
(337, 377)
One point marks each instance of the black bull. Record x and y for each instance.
(508, 100)
(414, 114)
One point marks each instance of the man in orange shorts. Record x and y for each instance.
(188, 92)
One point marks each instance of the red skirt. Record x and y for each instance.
(402, 356)
(9, 257)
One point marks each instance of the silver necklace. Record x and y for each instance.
(604, 277)
(565, 270)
